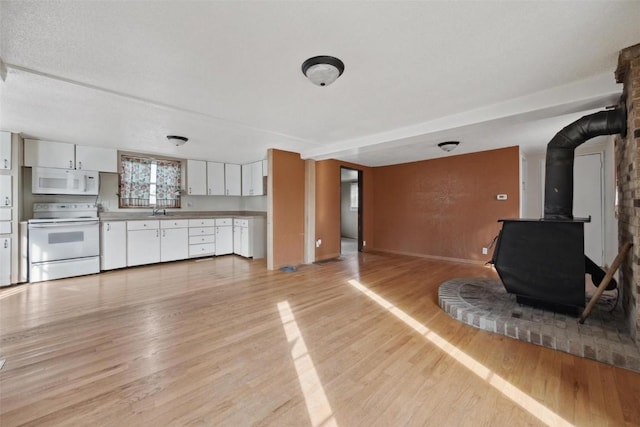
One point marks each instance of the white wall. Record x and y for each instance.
(533, 192)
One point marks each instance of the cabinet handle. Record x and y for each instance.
(6, 201)
(70, 164)
(209, 191)
(6, 164)
(189, 190)
(108, 227)
(164, 233)
(6, 243)
(79, 165)
(157, 233)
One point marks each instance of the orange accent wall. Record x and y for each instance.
(287, 170)
(445, 207)
(328, 207)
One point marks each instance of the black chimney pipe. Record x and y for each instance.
(558, 188)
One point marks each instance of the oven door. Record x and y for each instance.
(65, 240)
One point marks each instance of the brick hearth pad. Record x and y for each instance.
(485, 304)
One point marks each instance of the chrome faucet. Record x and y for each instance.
(156, 211)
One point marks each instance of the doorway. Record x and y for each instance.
(350, 211)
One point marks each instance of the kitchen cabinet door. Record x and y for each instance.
(48, 154)
(5, 261)
(237, 239)
(252, 179)
(113, 242)
(233, 179)
(224, 240)
(174, 244)
(256, 179)
(247, 180)
(96, 159)
(196, 177)
(5, 150)
(6, 199)
(215, 179)
(143, 247)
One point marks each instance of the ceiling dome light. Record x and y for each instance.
(177, 140)
(322, 70)
(448, 145)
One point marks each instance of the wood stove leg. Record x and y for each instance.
(607, 278)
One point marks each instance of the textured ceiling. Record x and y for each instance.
(227, 74)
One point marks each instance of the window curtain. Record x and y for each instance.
(135, 180)
(168, 184)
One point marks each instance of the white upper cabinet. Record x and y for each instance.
(5, 150)
(233, 179)
(6, 199)
(96, 159)
(49, 154)
(252, 179)
(196, 177)
(215, 179)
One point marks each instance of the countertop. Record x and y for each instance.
(132, 216)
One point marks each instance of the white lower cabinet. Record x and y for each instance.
(249, 237)
(113, 245)
(143, 242)
(5, 261)
(241, 238)
(224, 236)
(174, 240)
(138, 242)
(202, 237)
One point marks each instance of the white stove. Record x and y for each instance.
(64, 241)
(64, 212)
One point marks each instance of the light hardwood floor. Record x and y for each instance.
(358, 342)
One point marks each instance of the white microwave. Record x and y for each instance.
(64, 181)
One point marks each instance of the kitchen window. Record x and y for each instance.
(149, 182)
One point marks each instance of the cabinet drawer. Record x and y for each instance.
(201, 231)
(224, 221)
(174, 223)
(5, 227)
(194, 240)
(241, 222)
(206, 222)
(5, 214)
(204, 249)
(143, 225)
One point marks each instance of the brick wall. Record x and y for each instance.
(627, 164)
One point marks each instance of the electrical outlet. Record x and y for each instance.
(364, 243)
(485, 251)
(318, 243)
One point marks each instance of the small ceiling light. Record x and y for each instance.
(448, 145)
(322, 70)
(177, 140)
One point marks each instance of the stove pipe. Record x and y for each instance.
(558, 188)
